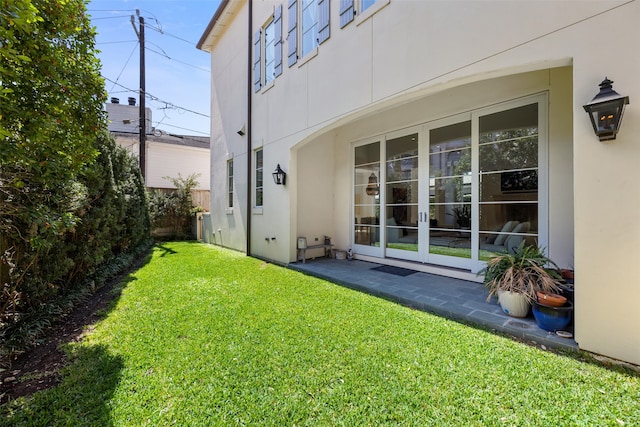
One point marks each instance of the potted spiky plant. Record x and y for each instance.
(516, 277)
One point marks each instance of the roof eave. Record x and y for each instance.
(212, 23)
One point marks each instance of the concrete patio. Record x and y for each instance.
(455, 299)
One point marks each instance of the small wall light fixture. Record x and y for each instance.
(373, 188)
(605, 111)
(279, 176)
(241, 131)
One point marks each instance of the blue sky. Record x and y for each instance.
(177, 74)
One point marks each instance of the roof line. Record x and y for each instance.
(212, 23)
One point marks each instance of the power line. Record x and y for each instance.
(108, 17)
(161, 31)
(164, 54)
(109, 10)
(121, 41)
(190, 130)
(155, 98)
(125, 65)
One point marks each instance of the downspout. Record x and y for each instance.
(249, 96)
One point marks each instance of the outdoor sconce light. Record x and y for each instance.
(373, 189)
(605, 111)
(279, 176)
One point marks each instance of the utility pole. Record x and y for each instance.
(142, 121)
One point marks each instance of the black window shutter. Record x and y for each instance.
(292, 33)
(277, 25)
(323, 20)
(257, 78)
(346, 12)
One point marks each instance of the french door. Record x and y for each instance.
(454, 192)
(386, 196)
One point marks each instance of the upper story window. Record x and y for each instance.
(313, 19)
(365, 4)
(364, 8)
(259, 178)
(267, 51)
(309, 26)
(230, 183)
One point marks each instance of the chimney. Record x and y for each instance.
(115, 100)
(132, 101)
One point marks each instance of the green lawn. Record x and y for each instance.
(206, 336)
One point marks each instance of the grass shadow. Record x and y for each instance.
(39, 365)
(165, 250)
(82, 397)
(161, 246)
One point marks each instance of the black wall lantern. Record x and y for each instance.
(279, 176)
(373, 188)
(605, 111)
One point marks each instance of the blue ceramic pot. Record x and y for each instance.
(552, 318)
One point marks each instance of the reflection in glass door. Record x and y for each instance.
(450, 204)
(401, 197)
(484, 174)
(508, 175)
(483, 185)
(366, 199)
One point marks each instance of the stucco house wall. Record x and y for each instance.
(166, 154)
(414, 62)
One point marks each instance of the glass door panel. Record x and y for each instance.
(471, 189)
(366, 199)
(450, 203)
(508, 189)
(402, 197)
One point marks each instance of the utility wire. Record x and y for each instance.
(109, 17)
(121, 41)
(164, 54)
(190, 130)
(161, 31)
(109, 10)
(124, 66)
(155, 98)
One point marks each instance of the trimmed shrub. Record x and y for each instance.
(174, 208)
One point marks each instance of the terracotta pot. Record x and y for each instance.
(513, 304)
(566, 274)
(551, 300)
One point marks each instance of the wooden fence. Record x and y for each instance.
(198, 197)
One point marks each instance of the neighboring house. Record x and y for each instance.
(167, 155)
(432, 134)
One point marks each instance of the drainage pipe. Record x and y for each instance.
(249, 127)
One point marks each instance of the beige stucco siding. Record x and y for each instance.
(417, 61)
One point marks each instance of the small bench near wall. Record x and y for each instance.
(303, 248)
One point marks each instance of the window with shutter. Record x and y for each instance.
(269, 52)
(312, 19)
(309, 26)
(257, 66)
(347, 12)
(323, 20)
(277, 26)
(292, 33)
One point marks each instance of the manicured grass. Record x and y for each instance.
(484, 255)
(206, 336)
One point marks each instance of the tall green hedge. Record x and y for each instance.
(70, 200)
